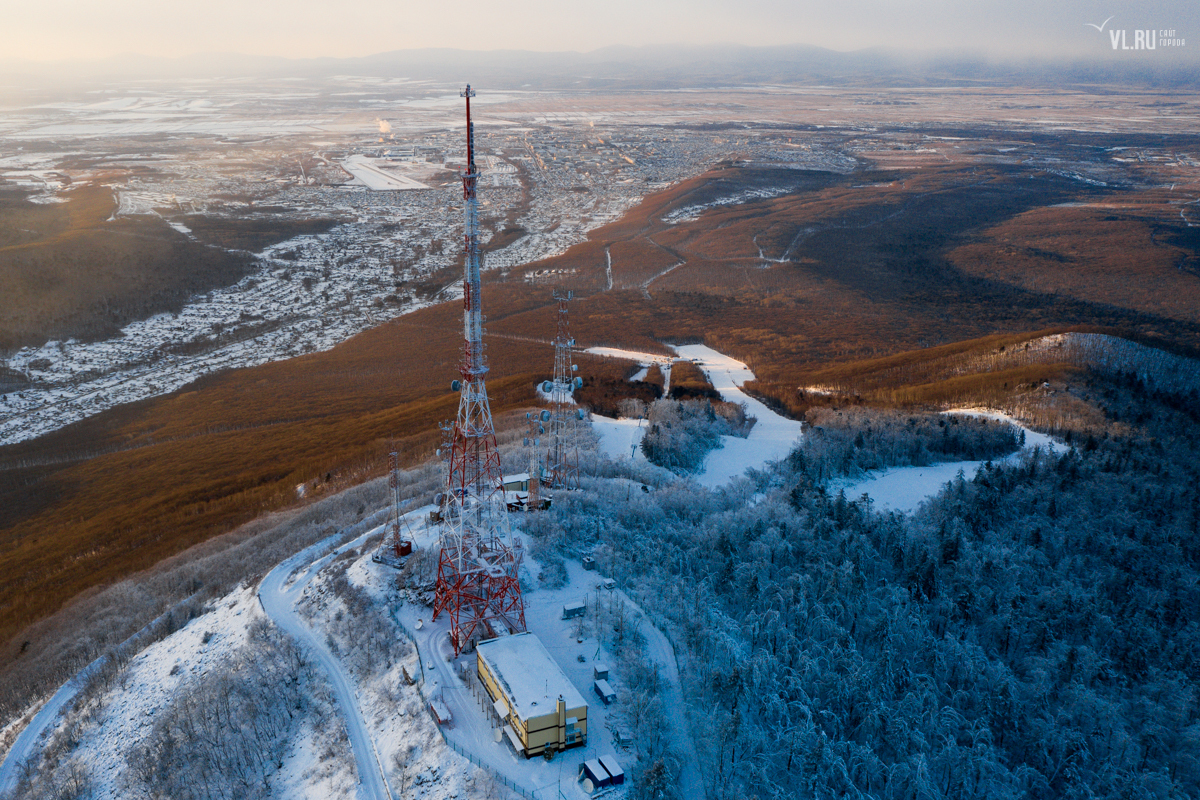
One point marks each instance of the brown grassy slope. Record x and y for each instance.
(874, 264)
(689, 382)
(867, 276)
(1111, 251)
(200, 461)
(67, 270)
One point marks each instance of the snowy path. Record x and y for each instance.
(30, 738)
(278, 599)
(659, 649)
(905, 488)
(771, 438)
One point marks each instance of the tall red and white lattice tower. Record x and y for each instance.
(477, 582)
(563, 456)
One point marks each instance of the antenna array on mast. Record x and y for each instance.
(477, 582)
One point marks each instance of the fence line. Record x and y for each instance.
(419, 682)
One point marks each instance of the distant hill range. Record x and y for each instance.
(646, 67)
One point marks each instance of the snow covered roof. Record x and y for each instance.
(528, 675)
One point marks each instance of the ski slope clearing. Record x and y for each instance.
(620, 438)
(771, 438)
(905, 488)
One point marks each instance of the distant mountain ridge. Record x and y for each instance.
(645, 67)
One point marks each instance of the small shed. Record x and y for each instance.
(600, 672)
(517, 483)
(604, 691)
(589, 562)
(575, 609)
(594, 772)
(616, 775)
(440, 712)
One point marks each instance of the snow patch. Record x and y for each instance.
(905, 488)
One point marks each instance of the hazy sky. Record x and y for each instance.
(55, 29)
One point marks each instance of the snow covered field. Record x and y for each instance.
(369, 172)
(905, 488)
(620, 438)
(771, 438)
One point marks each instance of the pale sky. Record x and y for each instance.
(57, 29)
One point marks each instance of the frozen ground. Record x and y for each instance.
(905, 488)
(619, 438)
(771, 438)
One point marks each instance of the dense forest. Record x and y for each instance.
(1031, 632)
(680, 433)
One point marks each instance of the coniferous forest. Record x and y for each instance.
(1031, 632)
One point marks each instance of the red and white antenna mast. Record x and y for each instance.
(477, 569)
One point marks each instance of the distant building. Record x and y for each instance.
(541, 709)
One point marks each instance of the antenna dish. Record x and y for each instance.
(456, 386)
(545, 416)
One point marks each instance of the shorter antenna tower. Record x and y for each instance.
(533, 441)
(398, 543)
(563, 458)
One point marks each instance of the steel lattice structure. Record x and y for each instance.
(563, 456)
(533, 441)
(477, 569)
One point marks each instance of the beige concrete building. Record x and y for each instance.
(541, 709)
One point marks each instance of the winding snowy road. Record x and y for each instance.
(30, 738)
(278, 599)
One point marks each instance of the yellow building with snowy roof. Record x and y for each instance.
(541, 709)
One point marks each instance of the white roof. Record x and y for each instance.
(518, 478)
(528, 675)
(611, 766)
